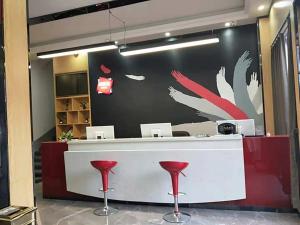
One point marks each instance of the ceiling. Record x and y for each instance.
(44, 7)
(145, 20)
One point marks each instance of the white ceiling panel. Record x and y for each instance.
(155, 11)
(149, 18)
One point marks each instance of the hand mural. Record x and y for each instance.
(198, 89)
(241, 96)
(225, 90)
(255, 93)
(253, 86)
(232, 102)
(257, 101)
(204, 107)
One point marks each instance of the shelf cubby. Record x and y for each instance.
(80, 103)
(63, 128)
(61, 118)
(63, 104)
(84, 117)
(79, 130)
(72, 117)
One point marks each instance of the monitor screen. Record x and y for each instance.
(156, 130)
(71, 84)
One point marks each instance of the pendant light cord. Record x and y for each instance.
(120, 20)
(109, 23)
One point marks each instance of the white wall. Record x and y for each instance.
(42, 96)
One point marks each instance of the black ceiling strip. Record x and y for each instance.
(82, 10)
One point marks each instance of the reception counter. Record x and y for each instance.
(266, 161)
(215, 172)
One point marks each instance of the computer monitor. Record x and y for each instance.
(100, 132)
(156, 130)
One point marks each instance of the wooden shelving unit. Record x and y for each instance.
(72, 115)
(69, 110)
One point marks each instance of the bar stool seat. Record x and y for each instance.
(175, 168)
(104, 166)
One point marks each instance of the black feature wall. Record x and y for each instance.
(4, 193)
(143, 96)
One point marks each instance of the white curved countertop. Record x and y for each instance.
(157, 139)
(215, 172)
(138, 144)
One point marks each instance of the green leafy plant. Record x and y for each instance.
(66, 136)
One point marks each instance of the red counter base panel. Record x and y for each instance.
(267, 173)
(53, 171)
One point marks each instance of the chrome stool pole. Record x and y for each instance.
(105, 210)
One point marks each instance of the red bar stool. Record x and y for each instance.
(104, 167)
(174, 168)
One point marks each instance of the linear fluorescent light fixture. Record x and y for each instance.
(78, 50)
(167, 46)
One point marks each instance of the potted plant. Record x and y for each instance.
(66, 136)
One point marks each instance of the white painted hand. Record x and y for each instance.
(225, 90)
(253, 86)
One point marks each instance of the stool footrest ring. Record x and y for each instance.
(179, 193)
(108, 190)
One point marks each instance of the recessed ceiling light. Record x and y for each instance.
(283, 3)
(261, 7)
(228, 24)
(167, 34)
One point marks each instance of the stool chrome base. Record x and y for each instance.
(105, 211)
(180, 217)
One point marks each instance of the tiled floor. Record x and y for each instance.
(58, 212)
